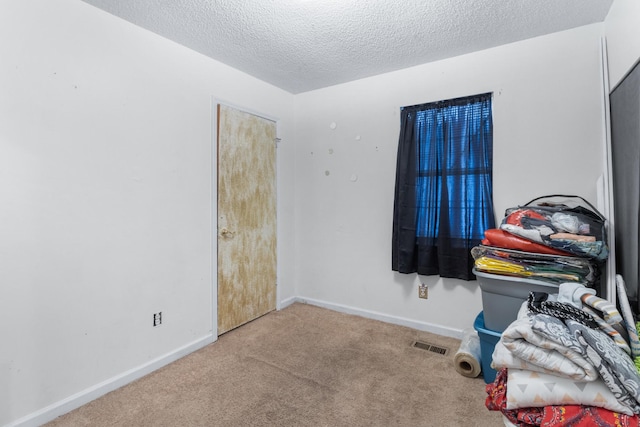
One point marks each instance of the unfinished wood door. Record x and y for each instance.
(246, 217)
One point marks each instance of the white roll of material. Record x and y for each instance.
(468, 357)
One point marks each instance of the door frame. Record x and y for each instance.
(215, 101)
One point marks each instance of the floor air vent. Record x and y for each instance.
(430, 347)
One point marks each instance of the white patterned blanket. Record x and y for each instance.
(522, 347)
(543, 343)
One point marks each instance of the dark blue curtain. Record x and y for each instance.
(444, 193)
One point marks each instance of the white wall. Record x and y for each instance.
(547, 139)
(622, 30)
(106, 194)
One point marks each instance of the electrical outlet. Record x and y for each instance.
(423, 291)
(157, 319)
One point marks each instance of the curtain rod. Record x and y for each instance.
(462, 99)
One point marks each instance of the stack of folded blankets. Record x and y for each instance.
(568, 360)
(552, 242)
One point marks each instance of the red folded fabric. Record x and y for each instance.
(515, 217)
(502, 239)
(552, 416)
(585, 416)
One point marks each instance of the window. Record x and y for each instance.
(444, 192)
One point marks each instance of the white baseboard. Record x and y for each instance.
(396, 320)
(286, 303)
(75, 401)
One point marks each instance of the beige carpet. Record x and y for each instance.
(302, 366)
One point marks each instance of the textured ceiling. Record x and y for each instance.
(301, 45)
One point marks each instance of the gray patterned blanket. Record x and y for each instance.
(568, 349)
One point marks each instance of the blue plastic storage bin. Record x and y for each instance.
(488, 341)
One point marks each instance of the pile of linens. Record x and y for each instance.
(551, 238)
(568, 360)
